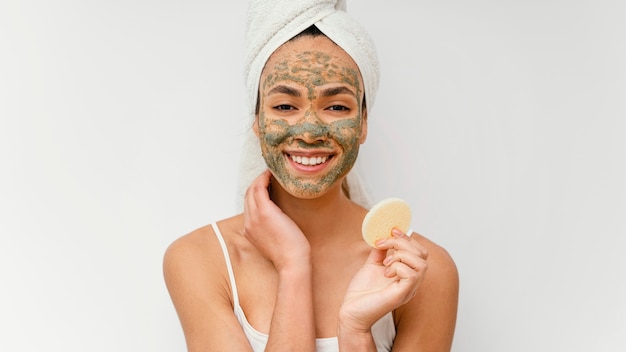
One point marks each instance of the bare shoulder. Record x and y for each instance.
(191, 250)
(192, 263)
(439, 259)
(428, 320)
(196, 276)
(196, 255)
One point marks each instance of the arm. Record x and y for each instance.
(280, 240)
(292, 326)
(427, 322)
(196, 277)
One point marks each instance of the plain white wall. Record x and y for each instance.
(501, 122)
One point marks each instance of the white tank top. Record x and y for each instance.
(383, 331)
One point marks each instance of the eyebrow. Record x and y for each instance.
(329, 92)
(284, 90)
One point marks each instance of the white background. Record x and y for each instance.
(501, 122)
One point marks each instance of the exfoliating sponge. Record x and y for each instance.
(383, 217)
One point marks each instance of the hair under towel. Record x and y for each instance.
(271, 23)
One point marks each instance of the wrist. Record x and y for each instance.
(351, 326)
(351, 339)
(353, 322)
(293, 269)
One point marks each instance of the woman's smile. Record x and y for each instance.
(309, 163)
(309, 160)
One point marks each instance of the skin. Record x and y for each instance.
(301, 273)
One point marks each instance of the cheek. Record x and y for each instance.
(273, 132)
(346, 132)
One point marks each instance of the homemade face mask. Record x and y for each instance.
(335, 140)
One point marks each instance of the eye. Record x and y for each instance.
(284, 107)
(338, 108)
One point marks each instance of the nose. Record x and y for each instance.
(312, 128)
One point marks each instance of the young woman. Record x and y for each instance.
(292, 272)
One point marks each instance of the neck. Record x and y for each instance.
(316, 217)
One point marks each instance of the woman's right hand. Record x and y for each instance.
(389, 279)
(270, 230)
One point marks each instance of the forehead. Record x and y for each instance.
(309, 57)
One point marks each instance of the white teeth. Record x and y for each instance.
(309, 161)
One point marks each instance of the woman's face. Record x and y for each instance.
(310, 121)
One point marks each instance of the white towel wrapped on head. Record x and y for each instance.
(271, 23)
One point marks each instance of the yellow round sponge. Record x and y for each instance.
(383, 217)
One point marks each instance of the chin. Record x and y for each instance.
(306, 191)
(308, 186)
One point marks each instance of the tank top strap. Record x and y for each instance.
(229, 266)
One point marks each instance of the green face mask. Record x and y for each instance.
(339, 137)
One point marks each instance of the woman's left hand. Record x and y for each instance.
(389, 278)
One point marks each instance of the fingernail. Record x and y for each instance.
(397, 233)
(380, 242)
(387, 260)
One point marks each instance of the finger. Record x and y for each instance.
(423, 251)
(399, 234)
(264, 179)
(261, 191)
(257, 191)
(261, 182)
(406, 282)
(251, 201)
(402, 271)
(249, 205)
(376, 256)
(412, 260)
(400, 241)
(249, 211)
(399, 250)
